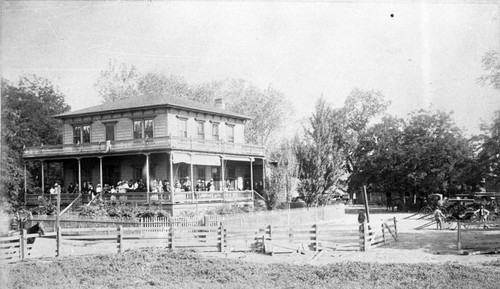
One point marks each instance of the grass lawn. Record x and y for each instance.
(161, 268)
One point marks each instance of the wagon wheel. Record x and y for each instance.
(425, 210)
(474, 222)
(450, 223)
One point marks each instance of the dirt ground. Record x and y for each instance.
(414, 246)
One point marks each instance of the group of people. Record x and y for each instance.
(481, 213)
(156, 186)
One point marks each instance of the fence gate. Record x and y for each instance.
(372, 237)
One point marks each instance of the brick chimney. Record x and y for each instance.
(219, 102)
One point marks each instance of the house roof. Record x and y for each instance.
(151, 101)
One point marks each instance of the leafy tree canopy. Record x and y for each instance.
(27, 110)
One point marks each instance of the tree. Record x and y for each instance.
(282, 169)
(27, 110)
(489, 152)
(117, 82)
(423, 155)
(155, 83)
(491, 65)
(319, 156)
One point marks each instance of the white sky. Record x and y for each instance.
(425, 56)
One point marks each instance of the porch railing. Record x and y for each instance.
(139, 145)
(154, 198)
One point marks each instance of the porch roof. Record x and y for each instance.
(147, 101)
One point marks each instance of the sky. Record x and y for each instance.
(419, 55)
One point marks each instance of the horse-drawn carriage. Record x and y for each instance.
(464, 208)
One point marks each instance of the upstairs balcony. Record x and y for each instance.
(142, 146)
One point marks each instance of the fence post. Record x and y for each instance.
(396, 228)
(459, 236)
(120, 239)
(58, 241)
(383, 232)
(172, 237)
(222, 240)
(316, 237)
(366, 234)
(23, 244)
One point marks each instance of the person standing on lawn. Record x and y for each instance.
(439, 217)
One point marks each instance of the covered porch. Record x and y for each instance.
(167, 178)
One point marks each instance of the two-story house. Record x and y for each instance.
(155, 139)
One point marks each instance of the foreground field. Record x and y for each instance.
(162, 268)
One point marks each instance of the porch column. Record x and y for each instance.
(171, 178)
(222, 173)
(192, 175)
(43, 179)
(147, 177)
(251, 174)
(25, 187)
(100, 173)
(263, 175)
(79, 175)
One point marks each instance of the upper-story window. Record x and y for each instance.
(110, 130)
(81, 133)
(230, 133)
(143, 128)
(215, 131)
(182, 127)
(200, 128)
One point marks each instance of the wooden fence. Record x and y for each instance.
(252, 219)
(478, 237)
(15, 248)
(372, 236)
(310, 237)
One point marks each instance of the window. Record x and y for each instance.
(143, 128)
(77, 134)
(215, 131)
(182, 127)
(148, 128)
(86, 133)
(81, 134)
(137, 129)
(200, 126)
(110, 131)
(230, 133)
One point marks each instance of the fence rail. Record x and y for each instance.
(372, 236)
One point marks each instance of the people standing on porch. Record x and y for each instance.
(71, 189)
(52, 190)
(203, 186)
(57, 188)
(153, 185)
(160, 186)
(98, 189)
(198, 186)
(210, 185)
(177, 186)
(166, 186)
(187, 185)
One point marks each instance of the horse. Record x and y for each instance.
(37, 228)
